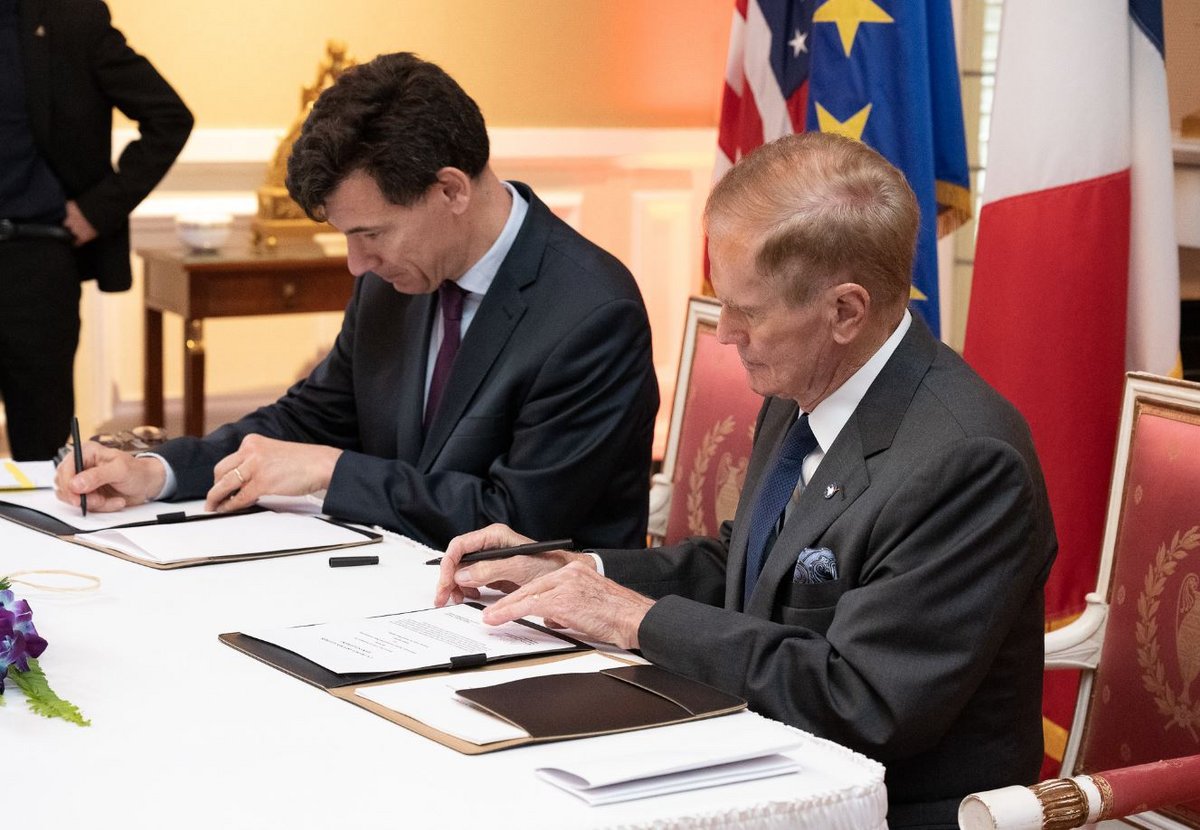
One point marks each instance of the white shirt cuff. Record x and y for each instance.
(599, 561)
(170, 484)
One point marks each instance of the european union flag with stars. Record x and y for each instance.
(881, 71)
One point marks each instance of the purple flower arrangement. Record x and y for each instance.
(20, 646)
(19, 640)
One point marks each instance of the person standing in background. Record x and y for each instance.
(64, 205)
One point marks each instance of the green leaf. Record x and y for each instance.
(42, 698)
(4, 583)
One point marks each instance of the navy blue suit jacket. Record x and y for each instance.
(546, 423)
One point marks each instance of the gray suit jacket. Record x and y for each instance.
(546, 422)
(926, 652)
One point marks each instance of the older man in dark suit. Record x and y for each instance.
(64, 207)
(881, 582)
(543, 418)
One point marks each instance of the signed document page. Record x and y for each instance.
(410, 641)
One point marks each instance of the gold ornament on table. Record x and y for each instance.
(1190, 127)
(279, 218)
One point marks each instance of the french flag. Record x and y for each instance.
(1076, 275)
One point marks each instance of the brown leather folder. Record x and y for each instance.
(557, 706)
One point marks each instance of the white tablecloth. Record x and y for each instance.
(187, 732)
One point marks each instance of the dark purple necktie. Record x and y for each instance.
(450, 300)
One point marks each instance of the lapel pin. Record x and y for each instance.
(832, 490)
(40, 31)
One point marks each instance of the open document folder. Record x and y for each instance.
(459, 700)
(177, 535)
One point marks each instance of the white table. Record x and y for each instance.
(187, 732)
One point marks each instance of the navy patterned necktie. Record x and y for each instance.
(777, 488)
(450, 300)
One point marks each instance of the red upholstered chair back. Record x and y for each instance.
(1142, 701)
(712, 426)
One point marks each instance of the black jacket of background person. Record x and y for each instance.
(77, 69)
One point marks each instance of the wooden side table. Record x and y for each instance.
(237, 282)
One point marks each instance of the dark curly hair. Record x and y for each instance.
(398, 118)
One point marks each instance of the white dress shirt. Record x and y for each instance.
(829, 416)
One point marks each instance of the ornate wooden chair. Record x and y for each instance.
(1138, 641)
(708, 441)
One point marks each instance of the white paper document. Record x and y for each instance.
(434, 701)
(44, 501)
(236, 535)
(25, 475)
(410, 641)
(668, 759)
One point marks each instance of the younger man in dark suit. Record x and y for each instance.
(881, 582)
(64, 207)
(543, 419)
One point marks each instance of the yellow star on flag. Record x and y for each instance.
(848, 14)
(914, 293)
(852, 127)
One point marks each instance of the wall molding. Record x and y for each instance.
(224, 166)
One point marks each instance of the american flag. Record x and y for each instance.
(766, 77)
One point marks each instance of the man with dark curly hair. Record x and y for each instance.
(493, 364)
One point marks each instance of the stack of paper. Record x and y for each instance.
(669, 759)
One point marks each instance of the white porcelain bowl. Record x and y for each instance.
(204, 233)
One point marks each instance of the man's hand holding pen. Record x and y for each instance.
(111, 479)
(563, 588)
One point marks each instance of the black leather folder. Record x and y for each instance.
(317, 675)
(45, 523)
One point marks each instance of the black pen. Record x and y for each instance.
(527, 549)
(78, 458)
(352, 561)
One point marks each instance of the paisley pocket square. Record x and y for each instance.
(815, 565)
